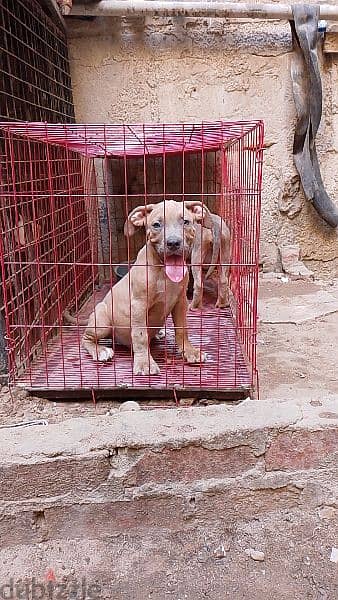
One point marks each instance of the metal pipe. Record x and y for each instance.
(180, 8)
(65, 6)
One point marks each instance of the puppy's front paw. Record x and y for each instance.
(194, 355)
(145, 365)
(222, 302)
(104, 354)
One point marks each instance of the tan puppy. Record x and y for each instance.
(211, 246)
(137, 306)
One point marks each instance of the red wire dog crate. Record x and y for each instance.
(66, 193)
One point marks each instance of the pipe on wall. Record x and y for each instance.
(180, 8)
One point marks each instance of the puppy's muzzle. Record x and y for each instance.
(174, 244)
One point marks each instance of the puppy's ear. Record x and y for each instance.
(137, 218)
(201, 212)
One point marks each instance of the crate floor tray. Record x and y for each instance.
(65, 367)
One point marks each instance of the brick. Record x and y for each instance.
(295, 450)
(176, 513)
(331, 42)
(53, 477)
(190, 463)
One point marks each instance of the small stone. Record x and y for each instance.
(219, 554)
(307, 560)
(221, 551)
(202, 556)
(205, 401)
(187, 401)
(292, 264)
(327, 512)
(130, 405)
(255, 554)
(5, 389)
(334, 555)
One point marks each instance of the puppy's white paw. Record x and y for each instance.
(161, 334)
(194, 355)
(104, 354)
(145, 365)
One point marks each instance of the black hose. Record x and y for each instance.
(307, 92)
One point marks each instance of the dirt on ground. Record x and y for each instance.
(295, 360)
(201, 563)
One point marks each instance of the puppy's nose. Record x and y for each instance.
(173, 243)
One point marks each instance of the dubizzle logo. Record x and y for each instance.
(70, 588)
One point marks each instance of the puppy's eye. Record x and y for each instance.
(186, 222)
(157, 225)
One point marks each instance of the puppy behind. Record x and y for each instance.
(211, 246)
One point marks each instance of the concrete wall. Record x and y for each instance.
(188, 70)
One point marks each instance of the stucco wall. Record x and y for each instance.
(189, 70)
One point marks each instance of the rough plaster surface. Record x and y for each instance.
(191, 69)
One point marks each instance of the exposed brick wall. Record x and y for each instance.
(165, 469)
(294, 450)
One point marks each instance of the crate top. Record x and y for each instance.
(140, 139)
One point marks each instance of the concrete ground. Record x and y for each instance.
(297, 342)
(296, 355)
(237, 502)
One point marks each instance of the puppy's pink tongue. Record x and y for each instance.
(175, 268)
